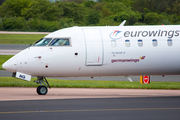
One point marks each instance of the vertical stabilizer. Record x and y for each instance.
(122, 24)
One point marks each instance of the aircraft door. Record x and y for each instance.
(94, 47)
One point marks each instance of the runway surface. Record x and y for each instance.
(12, 47)
(15, 32)
(114, 104)
(8, 49)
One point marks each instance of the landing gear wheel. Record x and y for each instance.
(42, 90)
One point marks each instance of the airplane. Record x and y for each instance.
(99, 51)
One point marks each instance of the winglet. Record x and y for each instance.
(122, 24)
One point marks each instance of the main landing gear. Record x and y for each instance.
(42, 90)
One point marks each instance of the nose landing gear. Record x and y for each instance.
(42, 90)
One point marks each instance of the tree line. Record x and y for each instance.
(43, 15)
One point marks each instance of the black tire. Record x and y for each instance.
(42, 90)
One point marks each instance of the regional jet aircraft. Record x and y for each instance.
(100, 51)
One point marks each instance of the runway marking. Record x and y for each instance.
(88, 110)
(140, 94)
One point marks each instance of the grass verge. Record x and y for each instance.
(13, 82)
(4, 58)
(20, 38)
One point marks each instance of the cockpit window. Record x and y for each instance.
(43, 42)
(60, 42)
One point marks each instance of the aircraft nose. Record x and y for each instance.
(10, 65)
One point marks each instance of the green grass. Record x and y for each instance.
(13, 82)
(20, 38)
(4, 58)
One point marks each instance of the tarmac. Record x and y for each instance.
(18, 93)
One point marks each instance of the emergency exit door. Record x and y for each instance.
(94, 47)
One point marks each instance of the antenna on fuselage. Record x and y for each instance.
(122, 24)
(129, 78)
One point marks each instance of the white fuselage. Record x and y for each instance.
(104, 51)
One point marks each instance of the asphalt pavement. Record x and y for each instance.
(12, 47)
(8, 49)
(152, 108)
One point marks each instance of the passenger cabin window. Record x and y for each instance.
(154, 42)
(127, 43)
(169, 42)
(60, 42)
(43, 42)
(140, 43)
